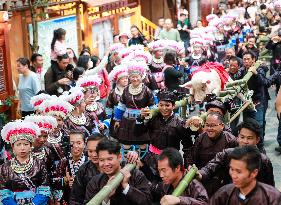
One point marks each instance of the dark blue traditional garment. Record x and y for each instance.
(24, 184)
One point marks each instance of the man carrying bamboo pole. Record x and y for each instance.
(171, 170)
(245, 163)
(213, 140)
(259, 84)
(90, 169)
(249, 134)
(165, 129)
(134, 188)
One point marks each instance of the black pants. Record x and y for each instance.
(25, 113)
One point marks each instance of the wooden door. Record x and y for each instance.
(6, 85)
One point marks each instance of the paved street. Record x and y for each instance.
(270, 139)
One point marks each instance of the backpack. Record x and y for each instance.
(263, 23)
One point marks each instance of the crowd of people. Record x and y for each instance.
(85, 118)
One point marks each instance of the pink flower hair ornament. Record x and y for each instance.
(136, 47)
(137, 68)
(124, 52)
(45, 123)
(216, 22)
(19, 130)
(156, 45)
(74, 96)
(211, 17)
(139, 55)
(196, 42)
(56, 106)
(210, 30)
(89, 81)
(118, 72)
(174, 46)
(38, 99)
(195, 33)
(116, 47)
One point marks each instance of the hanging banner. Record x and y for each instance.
(46, 32)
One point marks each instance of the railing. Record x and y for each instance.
(148, 28)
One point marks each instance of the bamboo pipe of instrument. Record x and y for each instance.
(227, 92)
(108, 188)
(185, 181)
(236, 114)
(245, 79)
(180, 103)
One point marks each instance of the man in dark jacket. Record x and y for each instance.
(259, 84)
(86, 172)
(244, 166)
(249, 134)
(166, 129)
(58, 76)
(134, 188)
(209, 143)
(275, 45)
(90, 169)
(171, 170)
(251, 46)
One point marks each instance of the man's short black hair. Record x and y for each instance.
(251, 124)
(249, 154)
(111, 146)
(64, 56)
(174, 157)
(263, 6)
(234, 58)
(34, 57)
(170, 58)
(218, 115)
(253, 56)
(95, 137)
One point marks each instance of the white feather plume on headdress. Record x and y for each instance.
(19, 130)
(56, 106)
(46, 123)
(89, 81)
(38, 99)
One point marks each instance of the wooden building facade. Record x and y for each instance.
(88, 23)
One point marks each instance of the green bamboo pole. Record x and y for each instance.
(245, 79)
(180, 103)
(108, 188)
(238, 112)
(185, 181)
(227, 92)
